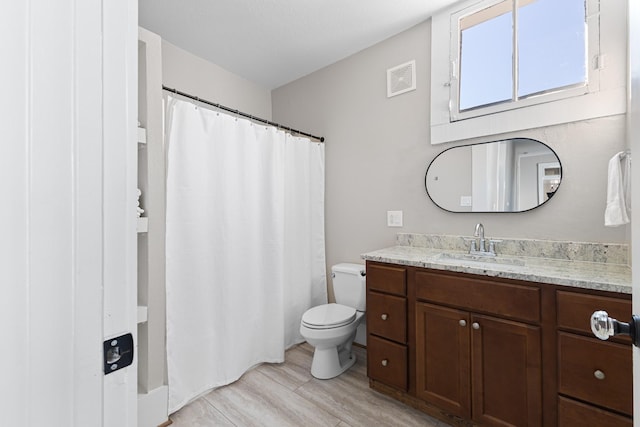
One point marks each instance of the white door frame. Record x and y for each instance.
(542, 177)
(67, 209)
(120, 115)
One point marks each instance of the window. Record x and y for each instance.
(486, 52)
(489, 79)
(517, 50)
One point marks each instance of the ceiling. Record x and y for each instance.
(273, 42)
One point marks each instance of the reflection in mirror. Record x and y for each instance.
(513, 175)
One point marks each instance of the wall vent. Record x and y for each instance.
(401, 79)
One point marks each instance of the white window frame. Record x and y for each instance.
(592, 70)
(604, 94)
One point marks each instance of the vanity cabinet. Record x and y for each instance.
(594, 376)
(474, 365)
(476, 350)
(387, 325)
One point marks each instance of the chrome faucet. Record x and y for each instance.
(479, 232)
(479, 244)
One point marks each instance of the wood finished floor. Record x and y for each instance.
(286, 394)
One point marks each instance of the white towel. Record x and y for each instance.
(618, 191)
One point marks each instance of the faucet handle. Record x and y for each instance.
(473, 247)
(492, 245)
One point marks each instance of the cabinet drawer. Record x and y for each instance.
(581, 360)
(575, 309)
(387, 362)
(387, 316)
(391, 280)
(572, 413)
(505, 299)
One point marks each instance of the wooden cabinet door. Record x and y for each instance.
(387, 362)
(595, 371)
(442, 358)
(572, 413)
(506, 372)
(387, 316)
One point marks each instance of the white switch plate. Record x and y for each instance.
(465, 200)
(394, 218)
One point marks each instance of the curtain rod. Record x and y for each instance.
(240, 113)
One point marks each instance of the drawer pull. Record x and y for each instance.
(384, 316)
(475, 325)
(462, 322)
(385, 362)
(599, 374)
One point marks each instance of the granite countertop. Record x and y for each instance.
(604, 276)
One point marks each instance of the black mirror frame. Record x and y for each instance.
(496, 212)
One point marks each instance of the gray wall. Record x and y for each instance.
(191, 74)
(378, 149)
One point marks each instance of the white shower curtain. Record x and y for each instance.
(245, 245)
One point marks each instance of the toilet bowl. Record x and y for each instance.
(332, 340)
(331, 328)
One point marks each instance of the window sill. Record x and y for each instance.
(589, 106)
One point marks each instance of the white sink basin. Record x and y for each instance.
(479, 259)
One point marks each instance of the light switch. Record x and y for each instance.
(465, 200)
(394, 218)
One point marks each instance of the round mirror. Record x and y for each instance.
(514, 175)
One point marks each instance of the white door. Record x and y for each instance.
(633, 120)
(66, 123)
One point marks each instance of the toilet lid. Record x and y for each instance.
(329, 316)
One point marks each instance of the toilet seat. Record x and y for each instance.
(328, 316)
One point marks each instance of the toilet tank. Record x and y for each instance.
(349, 285)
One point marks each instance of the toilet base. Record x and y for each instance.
(331, 362)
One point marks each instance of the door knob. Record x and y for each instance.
(384, 316)
(604, 327)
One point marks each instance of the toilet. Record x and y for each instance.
(331, 328)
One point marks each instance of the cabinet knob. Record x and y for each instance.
(475, 325)
(384, 316)
(385, 362)
(462, 322)
(599, 374)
